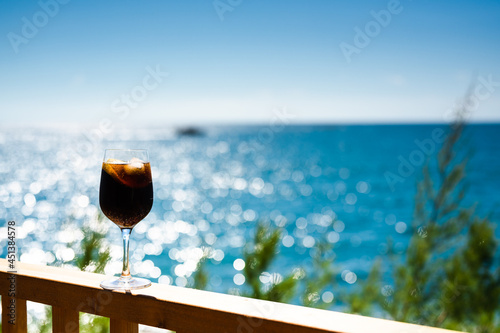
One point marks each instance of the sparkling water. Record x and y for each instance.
(352, 186)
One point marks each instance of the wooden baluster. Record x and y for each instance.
(14, 315)
(121, 326)
(64, 320)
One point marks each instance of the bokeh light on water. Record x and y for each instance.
(210, 191)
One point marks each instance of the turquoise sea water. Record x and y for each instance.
(353, 185)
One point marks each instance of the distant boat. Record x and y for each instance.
(189, 131)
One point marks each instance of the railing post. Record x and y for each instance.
(64, 320)
(14, 315)
(121, 326)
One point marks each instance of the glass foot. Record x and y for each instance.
(125, 284)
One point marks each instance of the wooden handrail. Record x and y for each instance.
(179, 309)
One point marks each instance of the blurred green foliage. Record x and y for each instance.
(94, 252)
(320, 277)
(261, 283)
(92, 255)
(258, 257)
(200, 276)
(448, 277)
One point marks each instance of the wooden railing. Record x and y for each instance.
(179, 309)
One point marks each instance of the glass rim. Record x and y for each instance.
(126, 155)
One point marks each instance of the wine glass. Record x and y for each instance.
(126, 197)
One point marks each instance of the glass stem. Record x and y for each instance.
(126, 265)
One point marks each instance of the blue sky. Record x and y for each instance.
(241, 61)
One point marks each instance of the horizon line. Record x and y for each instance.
(182, 125)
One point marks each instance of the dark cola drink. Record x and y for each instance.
(126, 192)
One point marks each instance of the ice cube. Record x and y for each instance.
(136, 160)
(136, 163)
(134, 166)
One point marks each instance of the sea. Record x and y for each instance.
(352, 186)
